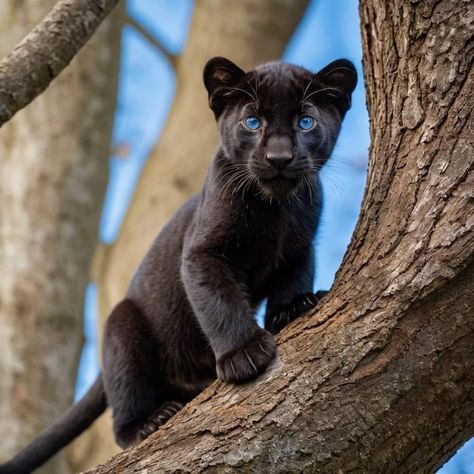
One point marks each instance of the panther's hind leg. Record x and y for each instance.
(133, 377)
(159, 417)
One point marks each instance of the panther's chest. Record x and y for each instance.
(255, 258)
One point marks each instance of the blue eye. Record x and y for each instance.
(252, 122)
(306, 122)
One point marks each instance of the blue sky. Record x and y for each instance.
(326, 32)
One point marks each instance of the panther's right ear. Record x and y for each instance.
(220, 77)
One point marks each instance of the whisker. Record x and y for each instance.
(255, 99)
(233, 175)
(322, 90)
(254, 91)
(309, 185)
(306, 90)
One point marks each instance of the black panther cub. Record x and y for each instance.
(189, 314)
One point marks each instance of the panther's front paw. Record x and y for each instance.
(283, 315)
(307, 301)
(248, 361)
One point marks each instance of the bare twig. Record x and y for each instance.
(172, 58)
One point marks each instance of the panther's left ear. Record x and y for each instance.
(341, 77)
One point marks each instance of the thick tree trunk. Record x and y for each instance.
(381, 377)
(53, 171)
(250, 33)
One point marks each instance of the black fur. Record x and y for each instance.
(189, 314)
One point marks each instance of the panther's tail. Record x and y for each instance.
(60, 433)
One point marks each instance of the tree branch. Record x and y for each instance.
(29, 69)
(172, 58)
(346, 395)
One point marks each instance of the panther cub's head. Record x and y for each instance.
(279, 122)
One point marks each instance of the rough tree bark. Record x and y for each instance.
(381, 377)
(29, 69)
(250, 33)
(53, 172)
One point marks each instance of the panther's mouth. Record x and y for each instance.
(279, 185)
(277, 178)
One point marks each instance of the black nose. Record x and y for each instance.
(279, 160)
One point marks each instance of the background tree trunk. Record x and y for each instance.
(53, 172)
(381, 377)
(249, 32)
